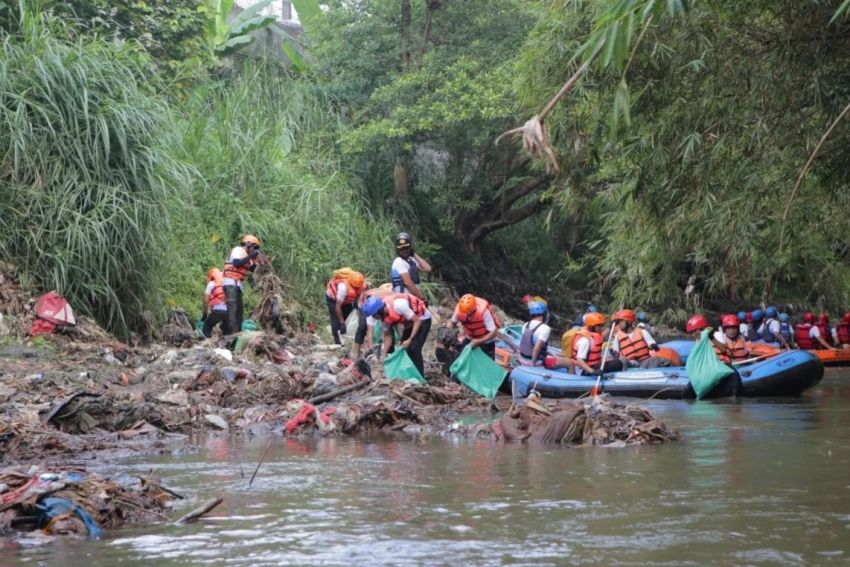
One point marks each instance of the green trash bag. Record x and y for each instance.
(398, 366)
(704, 369)
(250, 325)
(199, 327)
(478, 371)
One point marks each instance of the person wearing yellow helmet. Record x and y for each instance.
(241, 261)
(215, 304)
(341, 294)
(479, 322)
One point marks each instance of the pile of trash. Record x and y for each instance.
(60, 502)
(585, 422)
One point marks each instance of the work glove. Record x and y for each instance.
(342, 330)
(654, 347)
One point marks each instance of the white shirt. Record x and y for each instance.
(489, 324)
(341, 291)
(208, 291)
(401, 266)
(236, 254)
(402, 307)
(541, 334)
(616, 344)
(743, 328)
(814, 332)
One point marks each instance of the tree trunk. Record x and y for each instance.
(401, 181)
(433, 6)
(405, 34)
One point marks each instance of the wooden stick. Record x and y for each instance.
(262, 458)
(205, 508)
(335, 393)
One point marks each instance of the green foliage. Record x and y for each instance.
(227, 33)
(83, 179)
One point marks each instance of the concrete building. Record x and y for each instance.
(283, 10)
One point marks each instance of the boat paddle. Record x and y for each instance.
(740, 362)
(595, 391)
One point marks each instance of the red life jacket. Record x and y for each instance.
(473, 324)
(801, 336)
(739, 350)
(237, 273)
(217, 295)
(825, 334)
(594, 356)
(844, 333)
(416, 304)
(332, 288)
(634, 346)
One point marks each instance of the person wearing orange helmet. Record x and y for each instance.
(633, 345)
(729, 345)
(341, 294)
(215, 303)
(587, 355)
(479, 322)
(241, 261)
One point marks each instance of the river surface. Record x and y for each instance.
(752, 482)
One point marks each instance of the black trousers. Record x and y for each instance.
(487, 348)
(611, 365)
(360, 335)
(336, 326)
(414, 351)
(213, 319)
(233, 297)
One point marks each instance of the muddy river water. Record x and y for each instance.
(752, 482)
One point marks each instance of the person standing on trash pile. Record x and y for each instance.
(633, 345)
(729, 345)
(366, 325)
(341, 294)
(241, 261)
(408, 312)
(771, 329)
(407, 266)
(479, 322)
(587, 348)
(215, 304)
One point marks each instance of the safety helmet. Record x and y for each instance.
(536, 308)
(214, 274)
(748, 316)
(641, 316)
(697, 323)
(757, 315)
(846, 317)
(467, 304)
(356, 280)
(591, 308)
(771, 311)
(729, 321)
(624, 315)
(372, 306)
(594, 319)
(251, 239)
(783, 317)
(809, 317)
(402, 240)
(823, 319)
(742, 315)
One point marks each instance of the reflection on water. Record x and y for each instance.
(754, 481)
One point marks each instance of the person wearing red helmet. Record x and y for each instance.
(214, 311)
(842, 331)
(633, 345)
(729, 345)
(696, 324)
(826, 332)
(808, 335)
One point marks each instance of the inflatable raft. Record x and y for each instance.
(840, 357)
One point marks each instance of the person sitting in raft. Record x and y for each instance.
(771, 329)
(695, 326)
(214, 310)
(643, 323)
(807, 335)
(366, 325)
(405, 269)
(631, 344)
(480, 325)
(842, 331)
(743, 317)
(729, 345)
(587, 348)
(408, 312)
(753, 333)
(825, 331)
(785, 330)
(341, 294)
(534, 342)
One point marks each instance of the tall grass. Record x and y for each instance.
(83, 178)
(264, 146)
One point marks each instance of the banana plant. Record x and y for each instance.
(227, 37)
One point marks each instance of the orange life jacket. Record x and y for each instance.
(332, 288)
(739, 350)
(237, 273)
(634, 346)
(416, 304)
(473, 324)
(801, 335)
(844, 333)
(217, 295)
(594, 356)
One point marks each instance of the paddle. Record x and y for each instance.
(753, 359)
(595, 391)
